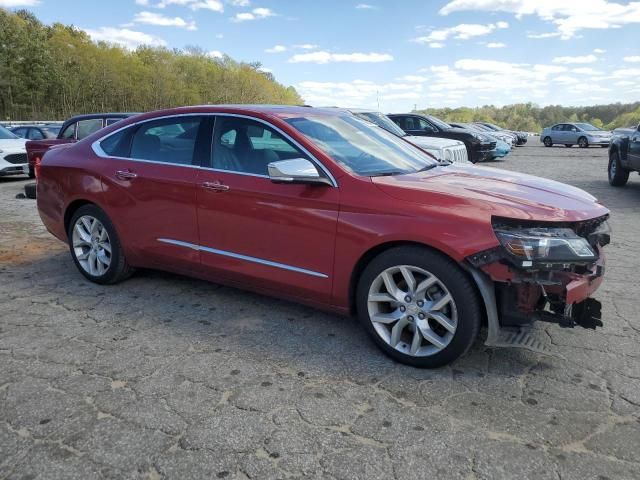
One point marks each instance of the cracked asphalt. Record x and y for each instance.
(163, 376)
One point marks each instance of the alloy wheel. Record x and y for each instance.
(412, 310)
(91, 245)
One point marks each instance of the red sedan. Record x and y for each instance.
(323, 208)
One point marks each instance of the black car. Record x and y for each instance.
(37, 132)
(479, 146)
(624, 155)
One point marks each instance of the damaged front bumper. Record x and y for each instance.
(518, 293)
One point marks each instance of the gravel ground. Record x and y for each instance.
(168, 377)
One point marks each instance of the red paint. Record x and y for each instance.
(313, 227)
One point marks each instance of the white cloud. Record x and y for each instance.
(599, 50)
(322, 57)
(496, 45)
(239, 3)
(366, 6)
(586, 71)
(624, 83)
(543, 35)
(632, 59)
(144, 3)
(123, 36)
(436, 45)
(576, 59)
(215, 54)
(18, 3)
(464, 31)
(152, 18)
(306, 46)
(357, 93)
(276, 49)
(568, 17)
(254, 14)
(213, 5)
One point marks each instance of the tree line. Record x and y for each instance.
(533, 118)
(56, 71)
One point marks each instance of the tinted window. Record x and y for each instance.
(117, 145)
(6, 134)
(382, 121)
(556, 127)
(69, 132)
(248, 146)
(87, 127)
(167, 140)
(111, 121)
(35, 134)
(21, 132)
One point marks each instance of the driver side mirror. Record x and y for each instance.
(296, 170)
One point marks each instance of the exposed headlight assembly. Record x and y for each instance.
(545, 245)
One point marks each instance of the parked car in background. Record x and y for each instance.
(624, 155)
(570, 134)
(479, 146)
(74, 129)
(37, 132)
(13, 155)
(445, 149)
(521, 137)
(503, 135)
(317, 206)
(503, 142)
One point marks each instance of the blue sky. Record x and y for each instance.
(394, 54)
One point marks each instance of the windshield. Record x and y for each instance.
(587, 127)
(382, 121)
(6, 134)
(439, 123)
(362, 148)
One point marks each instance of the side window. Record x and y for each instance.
(424, 125)
(35, 134)
(21, 132)
(69, 132)
(87, 127)
(556, 128)
(400, 122)
(247, 146)
(170, 140)
(111, 121)
(117, 145)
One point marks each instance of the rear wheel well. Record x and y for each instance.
(71, 209)
(372, 253)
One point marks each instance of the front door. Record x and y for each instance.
(634, 149)
(149, 178)
(277, 237)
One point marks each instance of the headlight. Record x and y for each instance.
(545, 245)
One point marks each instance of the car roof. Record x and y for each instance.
(89, 116)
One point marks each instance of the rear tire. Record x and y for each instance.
(583, 142)
(30, 190)
(547, 142)
(95, 246)
(618, 175)
(431, 319)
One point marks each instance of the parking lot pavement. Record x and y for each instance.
(168, 377)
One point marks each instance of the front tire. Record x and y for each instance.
(583, 142)
(618, 175)
(547, 142)
(419, 306)
(95, 246)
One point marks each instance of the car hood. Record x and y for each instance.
(12, 144)
(432, 142)
(474, 191)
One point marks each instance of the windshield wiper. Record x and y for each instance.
(434, 165)
(387, 174)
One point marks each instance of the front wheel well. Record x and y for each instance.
(372, 253)
(71, 209)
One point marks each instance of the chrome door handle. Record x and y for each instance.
(215, 186)
(126, 174)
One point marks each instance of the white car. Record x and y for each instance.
(442, 148)
(13, 154)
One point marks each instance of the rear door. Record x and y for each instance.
(277, 237)
(149, 174)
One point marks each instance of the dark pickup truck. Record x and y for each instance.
(480, 147)
(624, 155)
(74, 129)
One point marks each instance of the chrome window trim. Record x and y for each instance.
(239, 256)
(97, 149)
